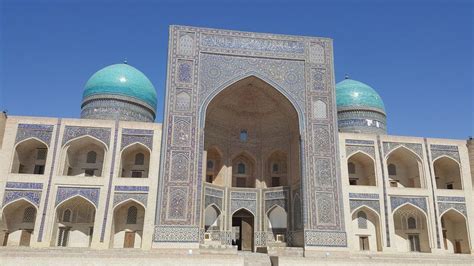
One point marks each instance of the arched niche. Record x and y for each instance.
(127, 225)
(411, 229)
(361, 169)
(455, 233)
(252, 116)
(84, 157)
(215, 170)
(243, 230)
(212, 221)
(277, 225)
(135, 161)
(447, 173)
(18, 222)
(405, 169)
(277, 170)
(30, 157)
(366, 229)
(243, 171)
(74, 223)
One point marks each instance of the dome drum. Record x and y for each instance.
(111, 109)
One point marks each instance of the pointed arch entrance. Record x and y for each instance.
(243, 230)
(257, 131)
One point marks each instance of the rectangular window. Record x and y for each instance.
(449, 186)
(39, 169)
(275, 181)
(241, 181)
(353, 182)
(364, 242)
(89, 172)
(209, 178)
(137, 174)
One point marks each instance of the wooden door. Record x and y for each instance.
(247, 233)
(457, 247)
(129, 240)
(25, 238)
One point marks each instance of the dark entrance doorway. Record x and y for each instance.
(242, 230)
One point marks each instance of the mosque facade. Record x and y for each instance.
(259, 150)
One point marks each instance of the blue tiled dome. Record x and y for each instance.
(122, 80)
(121, 92)
(354, 94)
(359, 108)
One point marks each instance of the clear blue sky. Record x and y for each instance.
(417, 54)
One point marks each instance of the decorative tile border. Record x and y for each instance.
(359, 142)
(451, 199)
(24, 185)
(131, 188)
(364, 196)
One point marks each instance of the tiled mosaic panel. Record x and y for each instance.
(13, 195)
(39, 131)
(130, 136)
(176, 234)
(122, 197)
(72, 132)
(65, 193)
(325, 239)
(444, 150)
(398, 201)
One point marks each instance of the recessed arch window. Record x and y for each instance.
(91, 157)
(241, 168)
(351, 168)
(29, 215)
(362, 220)
(210, 165)
(67, 216)
(139, 159)
(392, 169)
(243, 135)
(132, 215)
(275, 168)
(411, 223)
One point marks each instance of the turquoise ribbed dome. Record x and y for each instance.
(353, 94)
(121, 80)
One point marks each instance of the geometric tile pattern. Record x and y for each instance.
(417, 201)
(41, 132)
(100, 133)
(31, 196)
(65, 193)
